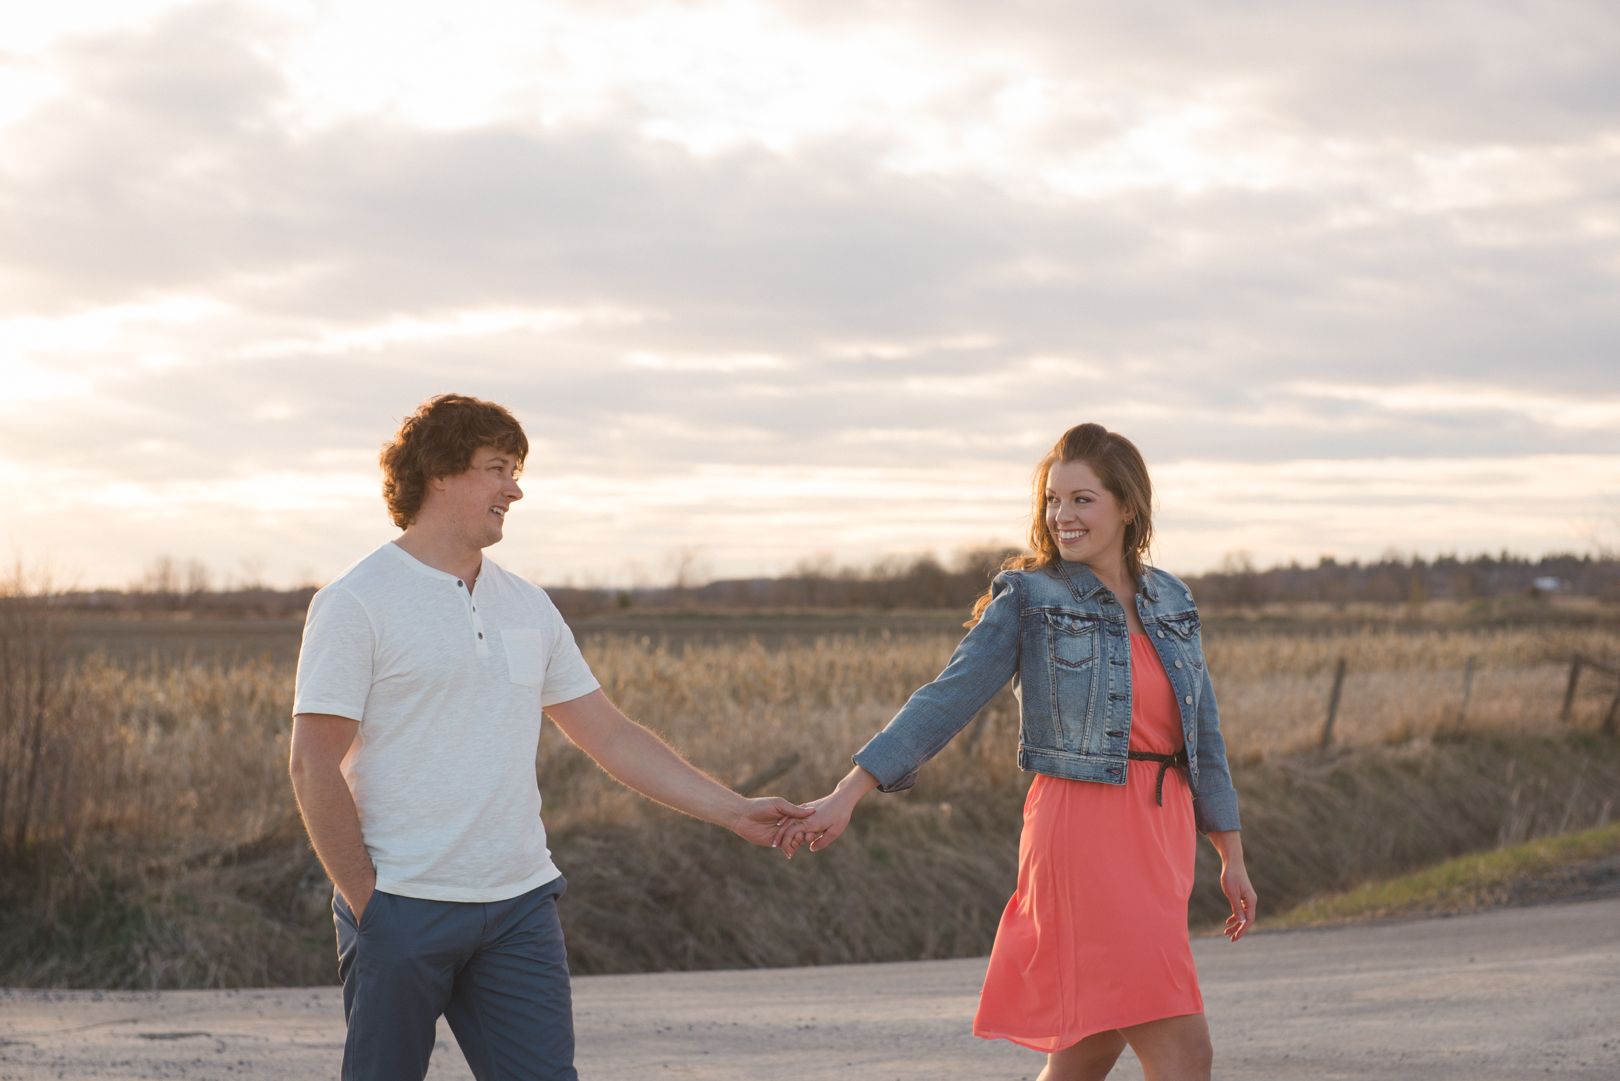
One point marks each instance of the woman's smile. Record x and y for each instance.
(1084, 517)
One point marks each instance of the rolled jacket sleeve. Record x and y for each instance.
(982, 664)
(1215, 802)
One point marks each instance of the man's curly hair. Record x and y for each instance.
(438, 440)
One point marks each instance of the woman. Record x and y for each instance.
(1119, 723)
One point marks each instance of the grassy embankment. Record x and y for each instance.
(178, 862)
(1573, 865)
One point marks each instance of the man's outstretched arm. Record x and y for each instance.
(319, 742)
(640, 760)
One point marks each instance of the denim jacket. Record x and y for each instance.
(1062, 639)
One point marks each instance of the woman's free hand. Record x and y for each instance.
(1235, 884)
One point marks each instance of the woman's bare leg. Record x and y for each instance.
(1173, 1048)
(1088, 1060)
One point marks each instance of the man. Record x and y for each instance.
(423, 674)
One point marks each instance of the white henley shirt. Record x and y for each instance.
(447, 686)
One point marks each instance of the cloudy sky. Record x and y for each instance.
(768, 280)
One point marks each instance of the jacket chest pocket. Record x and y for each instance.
(1071, 639)
(1074, 644)
(1184, 633)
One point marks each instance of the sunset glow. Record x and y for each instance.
(770, 281)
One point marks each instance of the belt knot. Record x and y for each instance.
(1165, 761)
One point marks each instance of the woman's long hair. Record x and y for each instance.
(1119, 465)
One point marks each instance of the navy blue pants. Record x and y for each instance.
(497, 972)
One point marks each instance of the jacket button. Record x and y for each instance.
(1188, 700)
(1161, 634)
(1178, 664)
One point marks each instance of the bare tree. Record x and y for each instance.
(161, 579)
(198, 581)
(252, 571)
(687, 571)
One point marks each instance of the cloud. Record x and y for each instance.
(454, 326)
(1492, 71)
(1557, 411)
(241, 241)
(1361, 508)
(748, 362)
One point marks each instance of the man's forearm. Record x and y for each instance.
(328, 807)
(640, 760)
(334, 829)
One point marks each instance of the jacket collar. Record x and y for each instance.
(1085, 584)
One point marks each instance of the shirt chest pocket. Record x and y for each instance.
(525, 656)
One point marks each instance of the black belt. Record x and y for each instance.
(1165, 761)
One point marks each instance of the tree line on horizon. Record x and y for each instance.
(926, 582)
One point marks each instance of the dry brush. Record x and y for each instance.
(171, 856)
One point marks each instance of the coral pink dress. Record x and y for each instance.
(1096, 936)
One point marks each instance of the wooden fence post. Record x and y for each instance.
(1468, 685)
(775, 771)
(1333, 705)
(1569, 691)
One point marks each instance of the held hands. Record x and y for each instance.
(763, 820)
(821, 829)
(830, 815)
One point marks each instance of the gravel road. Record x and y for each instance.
(1493, 996)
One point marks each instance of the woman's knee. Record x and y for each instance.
(1174, 1049)
(1200, 1054)
(1199, 1059)
(1088, 1060)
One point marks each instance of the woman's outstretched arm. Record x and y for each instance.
(981, 664)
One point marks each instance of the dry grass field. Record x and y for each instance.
(178, 754)
(1402, 684)
(157, 846)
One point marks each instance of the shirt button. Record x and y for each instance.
(460, 583)
(481, 634)
(1178, 664)
(1161, 634)
(1187, 700)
